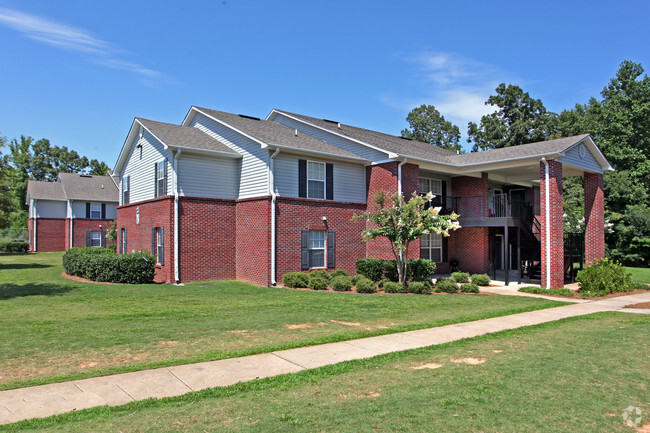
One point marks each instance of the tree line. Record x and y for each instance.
(28, 159)
(619, 122)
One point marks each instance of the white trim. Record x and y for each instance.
(324, 249)
(399, 175)
(547, 217)
(273, 200)
(319, 153)
(324, 197)
(176, 240)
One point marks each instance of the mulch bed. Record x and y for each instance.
(640, 305)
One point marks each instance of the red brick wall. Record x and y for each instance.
(471, 247)
(296, 214)
(253, 246)
(477, 188)
(82, 225)
(50, 234)
(153, 213)
(556, 223)
(594, 217)
(207, 233)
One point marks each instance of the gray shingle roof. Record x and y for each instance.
(184, 137)
(275, 134)
(383, 141)
(86, 187)
(71, 186)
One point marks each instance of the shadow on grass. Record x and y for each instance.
(22, 266)
(9, 291)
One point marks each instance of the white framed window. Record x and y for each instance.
(431, 247)
(123, 239)
(317, 248)
(161, 178)
(433, 185)
(95, 239)
(95, 210)
(125, 189)
(158, 244)
(315, 179)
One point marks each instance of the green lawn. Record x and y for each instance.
(575, 375)
(640, 274)
(53, 329)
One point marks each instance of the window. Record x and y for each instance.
(433, 185)
(431, 247)
(94, 239)
(158, 244)
(317, 248)
(95, 210)
(124, 248)
(315, 179)
(160, 185)
(125, 189)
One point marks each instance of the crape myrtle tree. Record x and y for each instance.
(403, 222)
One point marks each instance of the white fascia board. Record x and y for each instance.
(211, 152)
(165, 146)
(598, 154)
(261, 143)
(121, 159)
(316, 152)
(345, 137)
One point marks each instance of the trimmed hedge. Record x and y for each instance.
(469, 288)
(480, 279)
(460, 277)
(364, 285)
(446, 285)
(393, 287)
(342, 283)
(372, 269)
(101, 264)
(378, 269)
(14, 246)
(339, 273)
(321, 273)
(420, 288)
(317, 283)
(356, 278)
(296, 280)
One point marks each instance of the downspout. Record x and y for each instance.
(547, 217)
(71, 225)
(176, 249)
(273, 197)
(399, 176)
(35, 222)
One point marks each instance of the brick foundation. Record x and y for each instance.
(594, 217)
(50, 234)
(471, 247)
(556, 223)
(253, 245)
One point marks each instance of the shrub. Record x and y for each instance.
(460, 277)
(317, 283)
(381, 283)
(420, 288)
(339, 273)
(342, 283)
(355, 279)
(364, 285)
(480, 279)
(446, 285)
(14, 246)
(603, 277)
(370, 268)
(112, 247)
(469, 288)
(638, 285)
(393, 287)
(421, 269)
(101, 264)
(541, 291)
(321, 273)
(390, 270)
(296, 280)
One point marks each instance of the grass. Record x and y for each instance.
(552, 292)
(53, 329)
(574, 375)
(639, 274)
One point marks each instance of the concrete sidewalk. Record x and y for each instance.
(46, 400)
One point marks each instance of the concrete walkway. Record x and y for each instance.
(46, 400)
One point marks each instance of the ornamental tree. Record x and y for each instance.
(403, 222)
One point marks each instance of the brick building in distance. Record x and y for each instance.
(73, 211)
(228, 196)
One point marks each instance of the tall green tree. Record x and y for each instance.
(7, 198)
(426, 124)
(519, 119)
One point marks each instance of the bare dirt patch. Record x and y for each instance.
(469, 361)
(168, 343)
(239, 331)
(89, 364)
(370, 394)
(83, 280)
(430, 366)
(299, 326)
(640, 305)
(346, 323)
(497, 351)
(645, 428)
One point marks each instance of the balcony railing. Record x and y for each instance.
(493, 206)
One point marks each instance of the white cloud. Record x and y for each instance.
(71, 38)
(457, 86)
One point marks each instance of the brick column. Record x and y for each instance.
(594, 217)
(556, 223)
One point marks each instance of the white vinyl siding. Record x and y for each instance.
(205, 176)
(141, 171)
(572, 157)
(51, 209)
(349, 178)
(254, 169)
(329, 137)
(79, 209)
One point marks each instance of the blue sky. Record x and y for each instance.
(77, 72)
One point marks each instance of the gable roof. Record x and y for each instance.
(70, 186)
(184, 137)
(275, 134)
